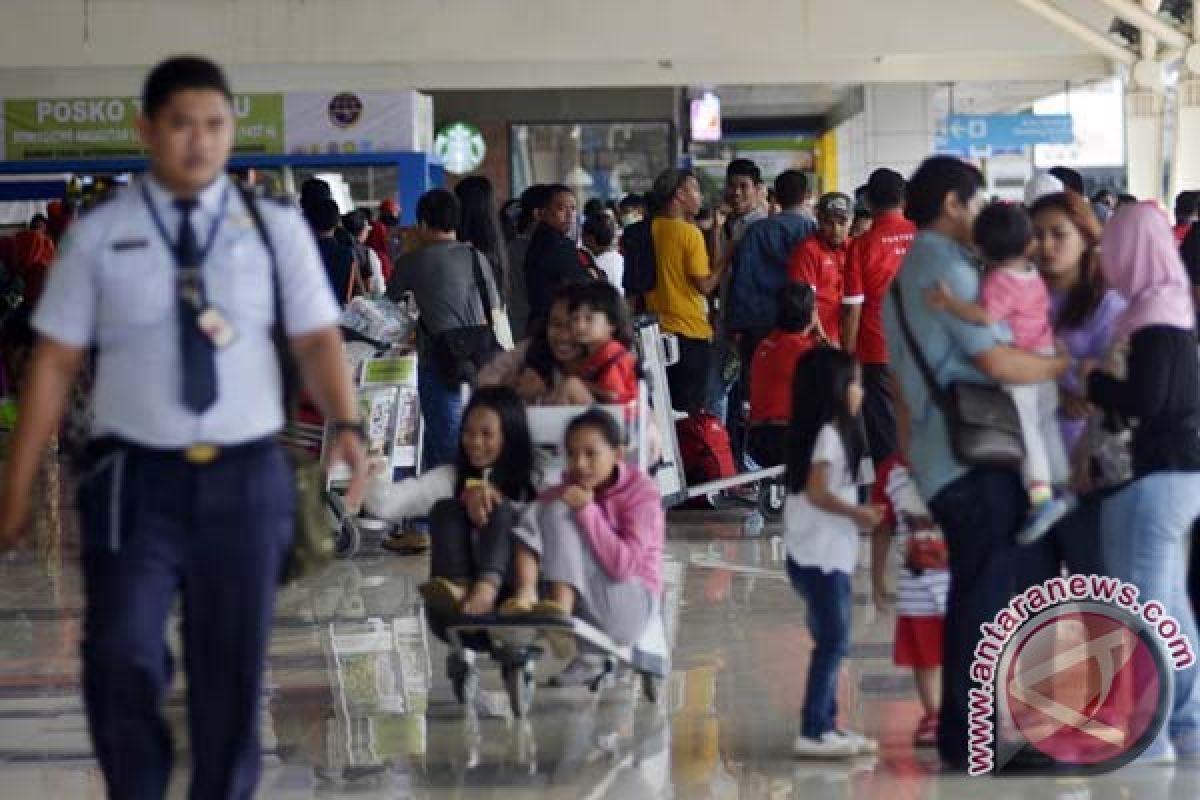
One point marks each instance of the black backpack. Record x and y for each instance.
(641, 270)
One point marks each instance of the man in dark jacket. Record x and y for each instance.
(553, 259)
(760, 271)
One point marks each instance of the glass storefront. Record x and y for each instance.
(605, 160)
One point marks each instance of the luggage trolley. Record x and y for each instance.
(514, 642)
(657, 351)
(382, 359)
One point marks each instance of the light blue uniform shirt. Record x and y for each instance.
(113, 287)
(949, 345)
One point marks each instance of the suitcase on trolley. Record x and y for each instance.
(705, 450)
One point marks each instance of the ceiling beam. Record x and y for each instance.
(1079, 30)
(1149, 23)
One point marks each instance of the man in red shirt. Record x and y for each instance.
(871, 265)
(771, 373)
(820, 261)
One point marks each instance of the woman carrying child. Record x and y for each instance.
(542, 369)
(1014, 293)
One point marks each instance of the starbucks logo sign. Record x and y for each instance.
(461, 147)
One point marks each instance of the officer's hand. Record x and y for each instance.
(348, 450)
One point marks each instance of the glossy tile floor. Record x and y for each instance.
(358, 704)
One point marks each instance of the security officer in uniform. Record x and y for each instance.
(187, 491)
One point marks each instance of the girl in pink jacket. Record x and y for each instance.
(594, 544)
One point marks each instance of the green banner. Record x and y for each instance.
(104, 127)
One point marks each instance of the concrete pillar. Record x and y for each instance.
(1144, 117)
(900, 126)
(1186, 172)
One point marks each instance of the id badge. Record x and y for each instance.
(216, 327)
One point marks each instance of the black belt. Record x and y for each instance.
(197, 454)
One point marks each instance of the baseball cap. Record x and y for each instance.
(835, 204)
(389, 206)
(1041, 185)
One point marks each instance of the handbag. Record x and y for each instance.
(981, 418)
(926, 550)
(460, 353)
(312, 546)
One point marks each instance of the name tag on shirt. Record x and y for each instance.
(122, 245)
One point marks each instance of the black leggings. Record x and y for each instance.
(463, 554)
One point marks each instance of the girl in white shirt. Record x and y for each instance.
(822, 519)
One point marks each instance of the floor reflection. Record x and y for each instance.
(358, 705)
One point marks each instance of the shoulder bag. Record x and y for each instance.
(312, 539)
(460, 353)
(981, 418)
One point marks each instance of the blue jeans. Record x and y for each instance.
(441, 410)
(1144, 529)
(828, 597)
(979, 514)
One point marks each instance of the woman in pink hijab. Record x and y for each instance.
(1145, 525)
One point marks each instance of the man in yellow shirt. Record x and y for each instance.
(683, 278)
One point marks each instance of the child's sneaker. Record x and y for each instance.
(1045, 517)
(830, 745)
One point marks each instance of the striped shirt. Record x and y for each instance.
(920, 594)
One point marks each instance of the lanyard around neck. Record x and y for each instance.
(173, 246)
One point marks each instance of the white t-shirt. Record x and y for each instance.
(814, 537)
(612, 264)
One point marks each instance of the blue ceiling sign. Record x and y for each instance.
(983, 134)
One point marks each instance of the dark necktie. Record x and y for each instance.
(198, 361)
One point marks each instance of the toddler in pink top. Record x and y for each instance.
(1014, 293)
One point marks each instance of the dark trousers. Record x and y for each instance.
(688, 378)
(1075, 541)
(767, 444)
(1193, 576)
(153, 526)
(980, 514)
(828, 597)
(740, 396)
(879, 411)
(460, 553)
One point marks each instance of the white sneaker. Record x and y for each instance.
(831, 745)
(865, 746)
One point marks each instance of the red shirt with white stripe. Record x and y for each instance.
(816, 263)
(871, 265)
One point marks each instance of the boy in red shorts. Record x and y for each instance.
(921, 586)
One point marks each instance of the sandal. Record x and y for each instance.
(514, 607)
(442, 596)
(409, 543)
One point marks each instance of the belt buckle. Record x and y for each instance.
(201, 454)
